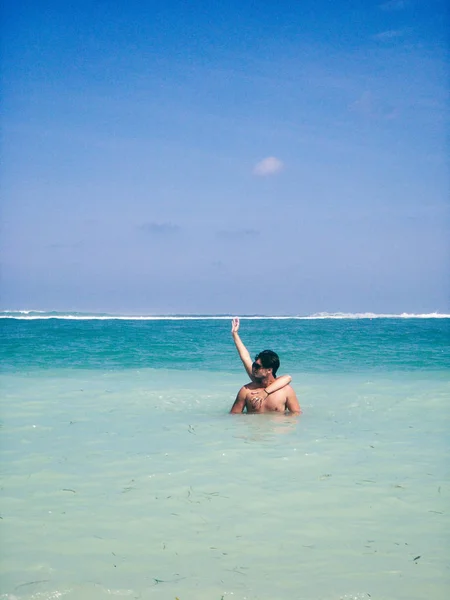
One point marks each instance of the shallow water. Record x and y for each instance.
(137, 483)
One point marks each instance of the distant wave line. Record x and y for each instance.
(31, 315)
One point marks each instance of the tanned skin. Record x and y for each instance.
(265, 393)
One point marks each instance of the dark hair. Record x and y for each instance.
(269, 360)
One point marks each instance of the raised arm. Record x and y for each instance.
(244, 354)
(246, 359)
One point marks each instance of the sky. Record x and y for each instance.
(235, 157)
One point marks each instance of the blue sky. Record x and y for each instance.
(225, 157)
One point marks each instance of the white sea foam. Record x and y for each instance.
(22, 312)
(30, 315)
(368, 315)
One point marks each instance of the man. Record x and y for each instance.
(265, 392)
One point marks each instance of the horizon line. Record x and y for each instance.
(87, 315)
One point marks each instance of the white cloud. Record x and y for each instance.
(370, 107)
(390, 34)
(268, 166)
(364, 105)
(158, 228)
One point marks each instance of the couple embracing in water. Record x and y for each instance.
(266, 392)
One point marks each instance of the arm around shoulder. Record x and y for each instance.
(278, 384)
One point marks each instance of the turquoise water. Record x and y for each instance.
(124, 475)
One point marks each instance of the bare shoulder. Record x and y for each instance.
(244, 389)
(290, 392)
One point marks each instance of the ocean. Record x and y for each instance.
(124, 475)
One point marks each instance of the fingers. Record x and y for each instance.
(256, 402)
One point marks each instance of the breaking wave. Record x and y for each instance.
(30, 315)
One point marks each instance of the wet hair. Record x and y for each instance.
(269, 360)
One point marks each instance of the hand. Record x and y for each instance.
(257, 398)
(235, 325)
(256, 402)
